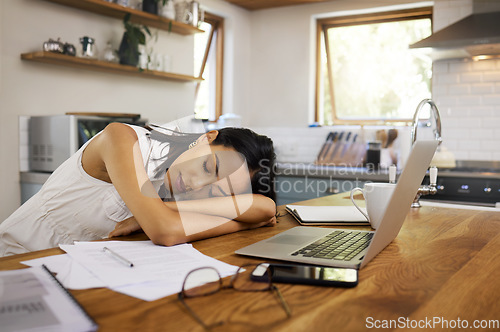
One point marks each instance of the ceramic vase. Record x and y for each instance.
(150, 6)
(128, 54)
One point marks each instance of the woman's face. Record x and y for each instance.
(208, 171)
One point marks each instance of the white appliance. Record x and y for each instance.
(54, 138)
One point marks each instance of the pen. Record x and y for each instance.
(118, 257)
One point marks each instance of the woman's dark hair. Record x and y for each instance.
(258, 151)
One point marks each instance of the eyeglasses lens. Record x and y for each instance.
(202, 282)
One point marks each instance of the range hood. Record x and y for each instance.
(476, 36)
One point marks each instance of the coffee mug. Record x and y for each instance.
(377, 197)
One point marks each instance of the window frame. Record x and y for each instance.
(323, 24)
(217, 23)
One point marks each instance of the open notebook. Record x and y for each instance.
(34, 300)
(327, 215)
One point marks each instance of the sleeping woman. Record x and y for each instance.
(176, 187)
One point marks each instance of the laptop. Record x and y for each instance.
(349, 247)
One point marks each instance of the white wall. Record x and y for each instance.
(28, 88)
(237, 54)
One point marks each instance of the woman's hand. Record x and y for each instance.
(125, 227)
(269, 223)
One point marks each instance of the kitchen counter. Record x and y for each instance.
(464, 169)
(441, 266)
(335, 172)
(470, 182)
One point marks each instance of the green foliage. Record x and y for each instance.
(135, 34)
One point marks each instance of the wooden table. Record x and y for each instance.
(444, 265)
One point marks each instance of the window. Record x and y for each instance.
(208, 58)
(365, 71)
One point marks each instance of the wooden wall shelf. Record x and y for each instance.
(114, 10)
(104, 66)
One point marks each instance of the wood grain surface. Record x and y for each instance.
(443, 265)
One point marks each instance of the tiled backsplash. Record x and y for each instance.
(302, 144)
(295, 144)
(467, 92)
(468, 96)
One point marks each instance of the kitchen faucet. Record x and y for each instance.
(430, 189)
(416, 118)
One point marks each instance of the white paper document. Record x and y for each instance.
(69, 272)
(150, 262)
(157, 271)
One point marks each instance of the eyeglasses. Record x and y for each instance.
(207, 280)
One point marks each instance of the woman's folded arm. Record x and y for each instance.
(196, 227)
(248, 208)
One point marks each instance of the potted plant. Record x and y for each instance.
(133, 36)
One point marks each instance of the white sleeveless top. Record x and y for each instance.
(74, 206)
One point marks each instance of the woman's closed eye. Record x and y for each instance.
(205, 168)
(211, 165)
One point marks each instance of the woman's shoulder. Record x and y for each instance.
(125, 134)
(121, 133)
(139, 131)
(115, 138)
(118, 128)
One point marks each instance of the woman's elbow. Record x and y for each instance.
(270, 213)
(268, 209)
(167, 240)
(168, 236)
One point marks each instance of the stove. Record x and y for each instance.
(470, 182)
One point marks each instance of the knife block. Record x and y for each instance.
(342, 154)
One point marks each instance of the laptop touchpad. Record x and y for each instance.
(292, 239)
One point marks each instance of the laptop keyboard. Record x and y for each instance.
(339, 245)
